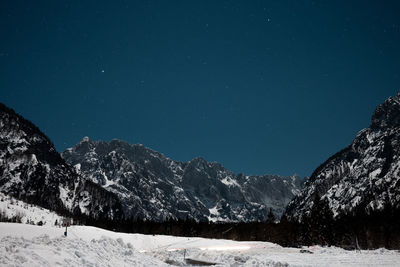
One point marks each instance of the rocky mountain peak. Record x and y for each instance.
(84, 145)
(363, 177)
(155, 187)
(387, 114)
(85, 139)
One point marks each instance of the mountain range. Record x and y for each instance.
(116, 179)
(154, 187)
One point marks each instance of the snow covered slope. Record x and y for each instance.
(32, 170)
(29, 245)
(26, 213)
(154, 187)
(363, 177)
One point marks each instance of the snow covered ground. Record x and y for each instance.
(31, 245)
(11, 207)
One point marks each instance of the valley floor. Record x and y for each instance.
(30, 245)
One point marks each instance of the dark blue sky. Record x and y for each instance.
(260, 86)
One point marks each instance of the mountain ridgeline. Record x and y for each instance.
(115, 180)
(352, 200)
(154, 187)
(362, 178)
(33, 171)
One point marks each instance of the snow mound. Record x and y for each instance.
(61, 251)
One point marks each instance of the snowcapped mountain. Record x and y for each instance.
(152, 186)
(363, 177)
(33, 171)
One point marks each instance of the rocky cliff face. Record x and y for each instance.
(364, 176)
(154, 187)
(32, 170)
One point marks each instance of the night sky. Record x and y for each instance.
(260, 86)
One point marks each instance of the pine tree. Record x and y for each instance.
(321, 222)
(271, 217)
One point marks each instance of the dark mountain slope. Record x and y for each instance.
(32, 170)
(362, 178)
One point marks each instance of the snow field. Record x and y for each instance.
(61, 251)
(31, 245)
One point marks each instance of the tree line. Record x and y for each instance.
(354, 231)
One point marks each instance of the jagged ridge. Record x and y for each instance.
(364, 176)
(155, 187)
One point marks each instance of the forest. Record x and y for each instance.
(354, 231)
